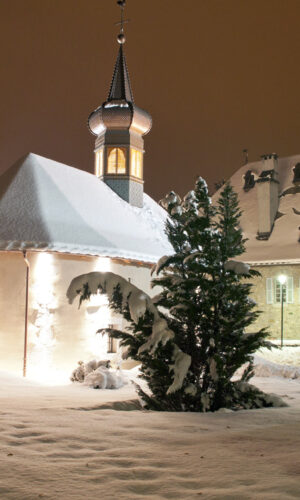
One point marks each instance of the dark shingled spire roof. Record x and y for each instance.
(120, 85)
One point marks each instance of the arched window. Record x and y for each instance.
(136, 163)
(116, 163)
(99, 163)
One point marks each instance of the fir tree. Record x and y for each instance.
(204, 298)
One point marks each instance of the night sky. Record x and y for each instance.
(217, 76)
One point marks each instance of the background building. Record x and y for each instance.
(269, 196)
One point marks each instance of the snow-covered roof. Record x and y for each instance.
(283, 244)
(46, 205)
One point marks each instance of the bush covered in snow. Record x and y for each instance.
(190, 340)
(98, 374)
(137, 308)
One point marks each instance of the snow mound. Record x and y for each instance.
(286, 355)
(104, 378)
(265, 368)
(262, 399)
(129, 405)
(98, 375)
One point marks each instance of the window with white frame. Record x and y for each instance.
(280, 291)
(276, 291)
(290, 290)
(269, 290)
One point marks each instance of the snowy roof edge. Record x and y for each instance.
(18, 246)
(272, 262)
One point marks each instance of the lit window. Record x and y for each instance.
(116, 161)
(112, 345)
(99, 163)
(280, 289)
(136, 163)
(286, 290)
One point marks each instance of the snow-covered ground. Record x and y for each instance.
(282, 355)
(73, 442)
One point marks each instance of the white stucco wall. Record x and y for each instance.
(68, 333)
(12, 309)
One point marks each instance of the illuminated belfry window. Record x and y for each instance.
(136, 163)
(116, 162)
(99, 163)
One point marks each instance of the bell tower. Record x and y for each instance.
(119, 126)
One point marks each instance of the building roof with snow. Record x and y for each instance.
(279, 208)
(46, 205)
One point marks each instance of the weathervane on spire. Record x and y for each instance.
(121, 37)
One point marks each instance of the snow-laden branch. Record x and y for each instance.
(237, 266)
(138, 303)
(182, 362)
(156, 268)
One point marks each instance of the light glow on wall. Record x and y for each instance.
(282, 279)
(41, 341)
(99, 163)
(99, 315)
(42, 335)
(102, 264)
(136, 163)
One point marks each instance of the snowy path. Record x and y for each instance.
(57, 444)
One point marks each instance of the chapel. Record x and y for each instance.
(58, 222)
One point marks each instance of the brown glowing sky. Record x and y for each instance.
(217, 76)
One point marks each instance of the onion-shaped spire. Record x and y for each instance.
(119, 112)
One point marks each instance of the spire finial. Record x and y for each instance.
(121, 37)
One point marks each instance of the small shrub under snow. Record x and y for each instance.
(98, 375)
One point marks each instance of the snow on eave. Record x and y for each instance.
(273, 262)
(21, 246)
(123, 260)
